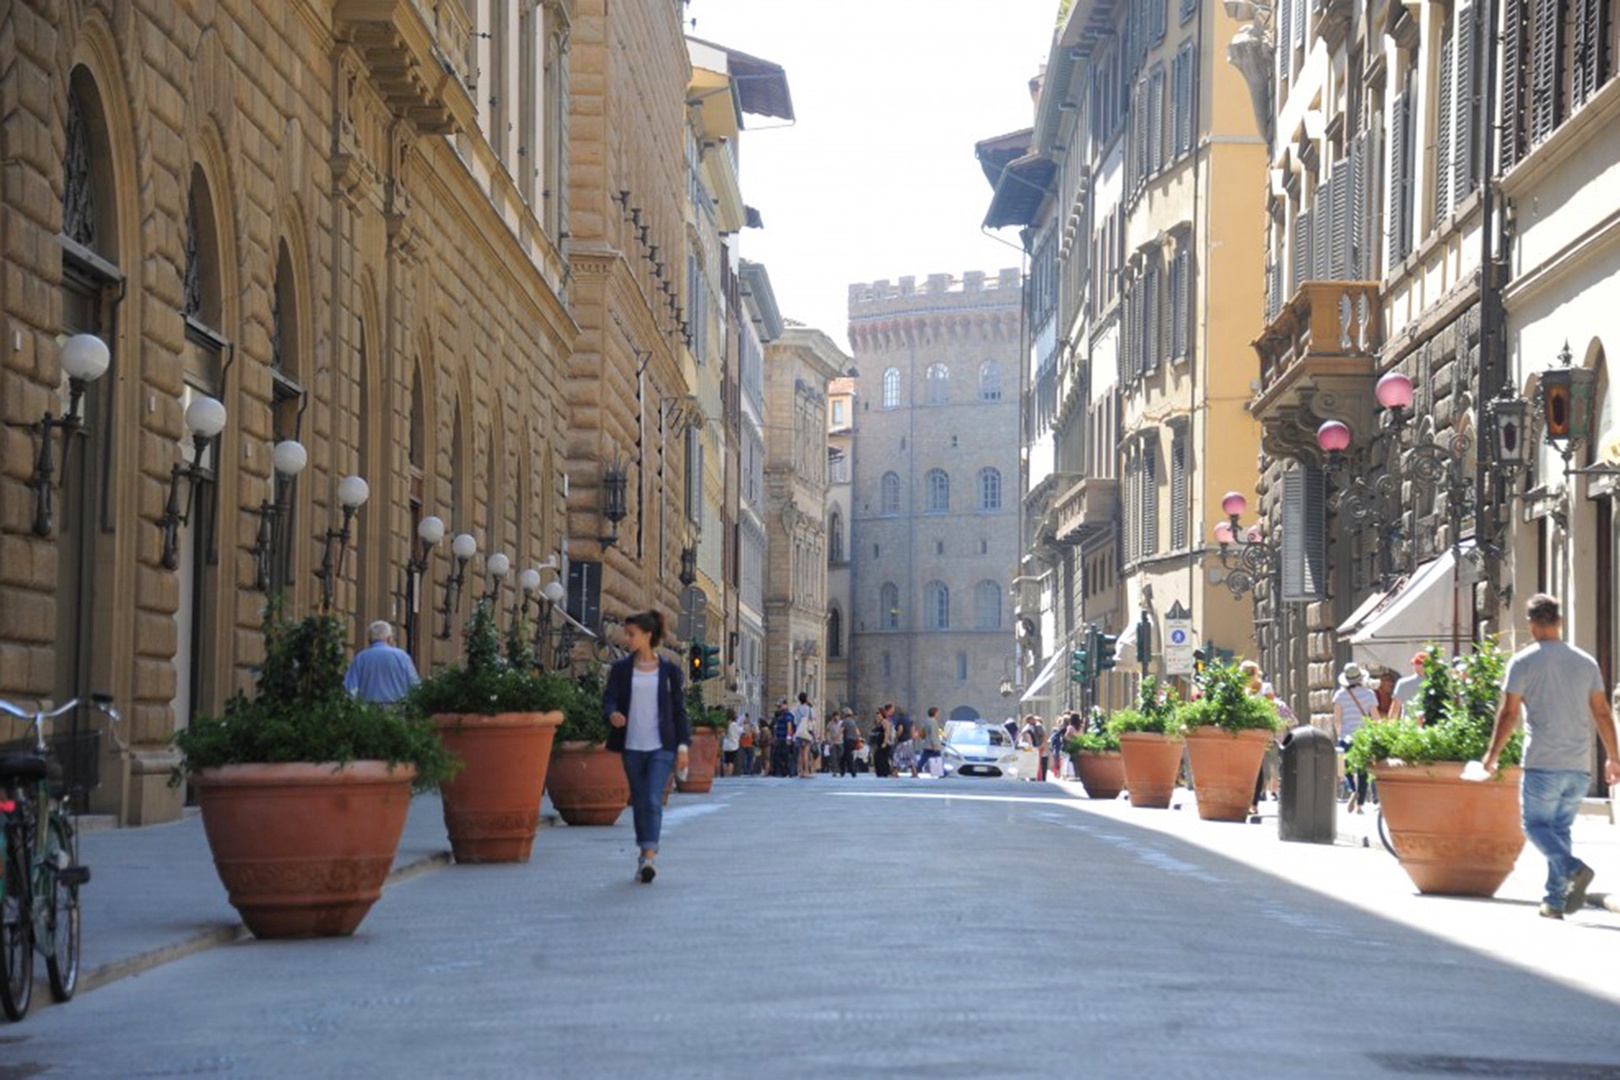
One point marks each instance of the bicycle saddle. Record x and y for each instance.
(23, 767)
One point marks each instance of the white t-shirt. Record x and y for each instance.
(733, 735)
(804, 723)
(1356, 705)
(641, 731)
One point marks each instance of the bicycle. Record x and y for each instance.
(40, 874)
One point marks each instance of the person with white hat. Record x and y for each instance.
(1353, 705)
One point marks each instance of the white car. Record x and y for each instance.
(974, 749)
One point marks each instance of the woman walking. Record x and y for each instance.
(1354, 704)
(645, 704)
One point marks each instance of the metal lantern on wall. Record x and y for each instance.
(1566, 404)
(1505, 418)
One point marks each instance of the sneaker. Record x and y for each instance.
(646, 871)
(1548, 911)
(1579, 882)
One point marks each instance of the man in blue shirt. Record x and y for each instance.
(381, 673)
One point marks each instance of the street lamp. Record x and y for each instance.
(1245, 554)
(429, 534)
(463, 548)
(615, 500)
(84, 359)
(204, 420)
(352, 493)
(497, 566)
(287, 460)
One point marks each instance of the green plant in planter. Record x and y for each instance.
(1155, 712)
(1464, 698)
(302, 713)
(492, 679)
(701, 715)
(1224, 702)
(582, 712)
(1098, 736)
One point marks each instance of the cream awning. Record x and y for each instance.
(1036, 691)
(1433, 606)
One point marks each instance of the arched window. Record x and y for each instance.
(989, 381)
(889, 603)
(937, 606)
(890, 494)
(987, 606)
(835, 537)
(938, 385)
(891, 388)
(989, 489)
(275, 571)
(939, 492)
(835, 634)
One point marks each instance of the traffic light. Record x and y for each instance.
(708, 661)
(1144, 641)
(1079, 666)
(1103, 646)
(694, 662)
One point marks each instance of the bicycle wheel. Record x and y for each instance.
(16, 929)
(1383, 833)
(61, 941)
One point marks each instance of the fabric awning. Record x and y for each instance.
(1432, 606)
(1368, 606)
(1037, 688)
(1125, 647)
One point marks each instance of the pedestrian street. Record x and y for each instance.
(856, 928)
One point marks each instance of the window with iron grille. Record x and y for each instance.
(937, 497)
(989, 489)
(937, 606)
(891, 388)
(937, 384)
(987, 605)
(989, 381)
(889, 605)
(889, 494)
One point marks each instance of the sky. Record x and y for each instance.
(877, 178)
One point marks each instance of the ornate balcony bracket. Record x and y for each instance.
(414, 51)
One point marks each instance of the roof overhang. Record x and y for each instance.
(1023, 186)
(761, 86)
(760, 299)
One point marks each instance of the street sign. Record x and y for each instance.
(692, 625)
(693, 599)
(1179, 643)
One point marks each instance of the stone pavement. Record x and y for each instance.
(799, 928)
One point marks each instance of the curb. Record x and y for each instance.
(203, 940)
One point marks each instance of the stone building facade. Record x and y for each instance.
(840, 576)
(324, 226)
(934, 510)
(799, 365)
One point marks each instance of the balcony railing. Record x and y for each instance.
(416, 52)
(1324, 320)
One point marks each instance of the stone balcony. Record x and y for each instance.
(1318, 361)
(414, 51)
(1086, 510)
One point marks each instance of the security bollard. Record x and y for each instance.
(1306, 809)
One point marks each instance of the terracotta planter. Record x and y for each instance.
(304, 849)
(1102, 773)
(1454, 837)
(587, 784)
(1151, 764)
(1224, 767)
(492, 807)
(702, 759)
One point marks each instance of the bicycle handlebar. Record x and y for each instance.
(100, 702)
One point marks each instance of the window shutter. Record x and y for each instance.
(1156, 117)
(1304, 547)
(1160, 21)
(1151, 321)
(1444, 119)
(1588, 56)
(1322, 234)
(1356, 216)
(1140, 116)
(1285, 37)
(1178, 491)
(1400, 170)
(1340, 240)
(1150, 496)
(1544, 73)
(1301, 252)
(1513, 53)
(1466, 169)
(1182, 317)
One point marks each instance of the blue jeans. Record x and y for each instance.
(648, 772)
(1551, 798)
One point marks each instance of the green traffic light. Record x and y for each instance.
(1105, 651)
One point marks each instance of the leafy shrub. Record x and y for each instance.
(1155, 712)
(492, 680)
(1463, 696)
(1224, 702)
(1098, 736)
(302, 713)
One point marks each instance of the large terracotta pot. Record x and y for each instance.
(1454, 837)
(304, 849)
(1225, 765)
(1151, 764)
(1102, 773)
(702, 759)
(492, 807)
(587, 784)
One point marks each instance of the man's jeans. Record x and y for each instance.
(1551, 798)
(648, 772)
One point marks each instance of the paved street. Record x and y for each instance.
(922, 928)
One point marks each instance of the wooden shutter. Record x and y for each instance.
(1152, 321)
(1181, 328)
(1155, 108)
(1178, 491)
(1444, 119)
(1400, 185)
(1150, 494)
(1465, 170)
(1302, 249)
(1356, 215)
(1513, 55)
(1340, 227)
(1322, 235)
(1304, 539)
(1285, 39)
(1545, 77)
(1588, 58)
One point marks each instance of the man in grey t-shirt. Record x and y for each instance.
(1559, 687)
